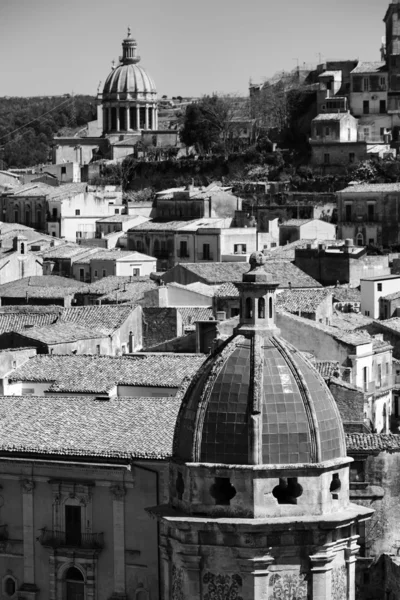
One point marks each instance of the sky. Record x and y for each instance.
(52, 47)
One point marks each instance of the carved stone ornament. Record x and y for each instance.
(177, 584)
(288, 586)
(222, 587)
(117, 491)
(257, 260)
(27, 485)
(339, 583)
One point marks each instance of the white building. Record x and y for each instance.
(373, 288)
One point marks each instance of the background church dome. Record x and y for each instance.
(258, 400)
(128, 80)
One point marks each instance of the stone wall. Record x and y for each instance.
(160, 325)
(350, 401)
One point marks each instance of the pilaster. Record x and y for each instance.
(321, 571)
(28, 590)
(147, 117)
(118, 494)
(128, 118)
(255, 577)
(138, 117)
(351, 559)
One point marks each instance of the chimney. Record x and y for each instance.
(348, 245)
(131, 342)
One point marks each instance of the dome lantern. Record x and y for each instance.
(129, 47)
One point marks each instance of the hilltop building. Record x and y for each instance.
(127, 114)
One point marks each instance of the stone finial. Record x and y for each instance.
(129, 32)
(257, 259)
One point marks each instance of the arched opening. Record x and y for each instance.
(288, 490)
(360, 239)
(249, 308)
(122, 118)
(270, 308)
(74, 584)
(261, 308)
(10, 586)
(156, 248)
(22, 248)
(113, 118)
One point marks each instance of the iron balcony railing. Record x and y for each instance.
(3, 533)
(57, 539)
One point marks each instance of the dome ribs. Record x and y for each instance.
(256, 395)
(316, 451)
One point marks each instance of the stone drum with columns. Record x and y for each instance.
(259, 481)
(129, 98)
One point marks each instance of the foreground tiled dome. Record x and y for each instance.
(265, 380)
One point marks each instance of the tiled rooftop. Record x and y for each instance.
(121, 428)
(69, 250)
(170, 225)
(46, 286)
(374, 442)
(99, 374)
(20, 318)
(117, 219)
(306, 301)
(129, 291)
(393, 296)
(352, 338)
(345, 294)
(327, 368)
(350, 321)
(53, 193)
(369, 67)
(295, 222)
(107, 317)
(330, 117)
(393, 324)
(63, 332)
(283, 271)
(129, 255)
(371, 187)
(191, 314)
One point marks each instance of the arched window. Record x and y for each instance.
(270, 308)
(249, 308)
(22, 248)
(261, 308)
(360, 239)
(9, 586)
(74, 584)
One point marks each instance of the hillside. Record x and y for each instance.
(27, 125)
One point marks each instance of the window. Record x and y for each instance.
(95, 272)
(77, 212)
(371, 210)
(352, 157)
(239, 248)
(116, 210)
(249, 308)
(327, 159)
(98, 349)
(72, 525)
(104, 273)
(63, 170)
(366, 84)
(81, 274)
(366, 133)
(206, 251)
(74, 584)
(54, 213)
(382, 82)
(382, 106)
(379, 287)
(366, 312)
(365, 378)
(382, 132)
(348, 212)
(22, 248)
(360, 239)
(348, 134)
(270, 309)
(9, 586)
(379, 382)
(371, 241)
(183, 249)
(136, 271)
(327, 131)
(261, 308)
(366, 107)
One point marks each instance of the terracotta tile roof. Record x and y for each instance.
(202, 288)
(120, 428)
(330, 117)
(191, 314)
(393, 296)
(46, 286)
(301, 300)
(223, 272)
(69, 250)
(128, 291)
(375, 442)
(99, 374)
(19, 318)
(62, 332)
(341, 294)
(227, 290)
(59, 192)
(327, 368)
(109, 317)
(350, 321)
(129, 255)
(295, 222)
(370, 67)
(167, 226)
(117, 219)
(371, 187)
(352, 338)
(393, 324)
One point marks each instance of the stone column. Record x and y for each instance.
(118, 494)
(351, 559)
(128, 118)
(165, 557)
(117, 117)
(28, 587)
(109, 118)
(138, 117)
(321, 570)
(155, 117)
(191, 568)
(147, 117)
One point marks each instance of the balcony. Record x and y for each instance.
(205, 256)
(183, 254)
(3, 533)
(61, 539)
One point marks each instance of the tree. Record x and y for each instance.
(211, 123)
